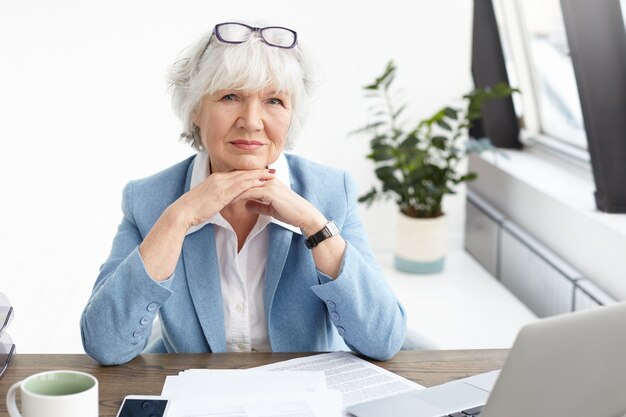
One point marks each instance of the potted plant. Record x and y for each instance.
(418, 166)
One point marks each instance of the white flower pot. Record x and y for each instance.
(420, 244)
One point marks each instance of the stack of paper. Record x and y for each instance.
(314, 386)
(249, 393)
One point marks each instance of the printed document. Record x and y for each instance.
(356, 379)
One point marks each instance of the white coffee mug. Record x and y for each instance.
(55, 394)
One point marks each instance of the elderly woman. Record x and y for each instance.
(241, 247)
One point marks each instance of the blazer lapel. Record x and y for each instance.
(203, 278)
(278, 249)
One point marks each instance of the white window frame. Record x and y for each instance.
(512, 29)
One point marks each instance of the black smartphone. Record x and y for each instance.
(143, 406)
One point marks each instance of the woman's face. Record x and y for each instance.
(243, 130)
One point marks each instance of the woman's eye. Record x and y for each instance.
(229, 97)
(275, 101)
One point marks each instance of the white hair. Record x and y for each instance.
(210, 65)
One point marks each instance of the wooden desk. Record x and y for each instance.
(146, 373)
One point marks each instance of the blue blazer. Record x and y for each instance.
(306, 310)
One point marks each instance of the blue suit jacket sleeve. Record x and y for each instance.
(360, 303)
(116, 323)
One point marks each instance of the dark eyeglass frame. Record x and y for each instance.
(216, 31)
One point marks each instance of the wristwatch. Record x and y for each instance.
(329, 230)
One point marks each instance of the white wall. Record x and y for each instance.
(83, 109)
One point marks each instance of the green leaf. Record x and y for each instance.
(393, 185)
(439, 142)
(389, 72)
(411, 141)
(451, 113)
(387, 82)
(417, 160)
(385, 173)
(368, 127)
(396, 134)
(378, 140)
(477, 98)
(381, 152)
(397, 113)
(470, 176)
(369, 197)
(443, 125)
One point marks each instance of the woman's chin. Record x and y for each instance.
(242, 163)
(249, 165)
(252, 162)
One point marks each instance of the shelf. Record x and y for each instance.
(462, 307)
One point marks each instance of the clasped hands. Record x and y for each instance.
(259, 190)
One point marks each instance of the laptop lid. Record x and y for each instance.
(565, 366)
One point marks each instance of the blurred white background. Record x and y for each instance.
(84, 109)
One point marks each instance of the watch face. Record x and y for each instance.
(332, 228)
(329, 230)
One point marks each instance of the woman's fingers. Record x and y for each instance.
(277, 200)
(231, 184)
(248, 180)
(281, 202)
(219, 190)
(264, 192)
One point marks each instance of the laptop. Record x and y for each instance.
(564, 366)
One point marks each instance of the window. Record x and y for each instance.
(541, 34)
(536, 48)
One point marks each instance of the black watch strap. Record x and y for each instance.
(329, 230)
